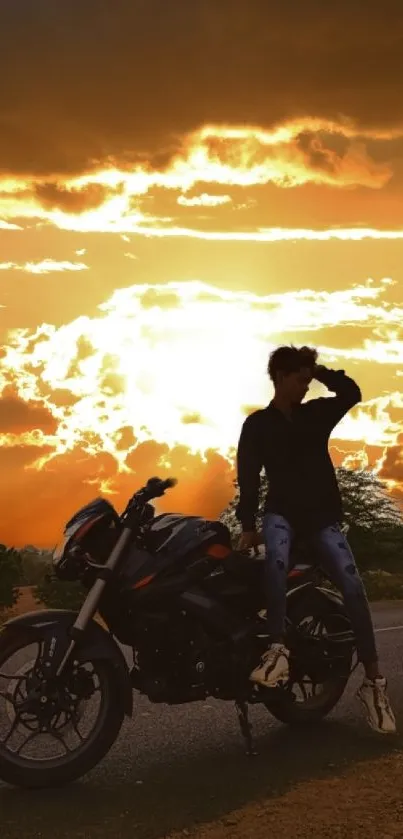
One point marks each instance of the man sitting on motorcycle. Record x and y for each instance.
(289, 438)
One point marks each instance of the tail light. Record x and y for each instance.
(218, 551)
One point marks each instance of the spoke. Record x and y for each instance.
(43, 732)
(27, 740)
(303, 690)
(8, 697)
(58, 737)
(308, 681)
(78, 732)
(13, 678)
(34, 664)
(12, 729)
(57, 719)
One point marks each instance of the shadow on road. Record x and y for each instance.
(174, 795)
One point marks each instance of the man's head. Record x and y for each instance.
(291, 371)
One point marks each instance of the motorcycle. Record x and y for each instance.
(191, 610)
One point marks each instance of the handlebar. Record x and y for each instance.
(154, 488)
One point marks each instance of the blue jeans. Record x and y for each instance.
(332, 551)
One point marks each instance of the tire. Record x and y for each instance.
(281, 703)
(42, 773)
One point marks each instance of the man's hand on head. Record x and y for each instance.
(318, 370)
(322, 374)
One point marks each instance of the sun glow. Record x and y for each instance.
(179, 364)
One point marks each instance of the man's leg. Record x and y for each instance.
(336, 558)
(273, 669)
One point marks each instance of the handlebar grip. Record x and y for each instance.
(156, 487)
(170, 482)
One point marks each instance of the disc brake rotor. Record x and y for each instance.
(77, 707)
(13, 686)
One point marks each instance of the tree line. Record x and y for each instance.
(375, 533)
(374, 519)
(33, 567)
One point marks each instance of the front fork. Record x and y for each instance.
(91, 602)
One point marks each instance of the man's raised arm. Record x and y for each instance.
(346, 389)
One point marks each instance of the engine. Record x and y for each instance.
(175, 660)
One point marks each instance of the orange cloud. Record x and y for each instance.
(291, 155)
(56, 196)
(17, 415)
(392, 466)
(308, 151)
(35, 505)
(146, 361)
(159, 383)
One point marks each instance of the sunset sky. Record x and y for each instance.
(185, 184)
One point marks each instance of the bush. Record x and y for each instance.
(375, 521)
(10, 577)
(34, 565)
(381, 585)
(56, 594)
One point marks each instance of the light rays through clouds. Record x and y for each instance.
(182, 364)
(165, 221)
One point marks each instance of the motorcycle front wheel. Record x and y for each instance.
(52, 733)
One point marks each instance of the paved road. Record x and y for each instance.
(172, 767)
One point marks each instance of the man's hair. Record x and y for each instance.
(290, 359)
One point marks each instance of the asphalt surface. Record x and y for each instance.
(174, 767)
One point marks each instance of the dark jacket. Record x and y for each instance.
(294, 453)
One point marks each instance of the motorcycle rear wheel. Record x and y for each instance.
(316, 704)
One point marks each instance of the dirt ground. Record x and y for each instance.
(25, 603)
(366, 801)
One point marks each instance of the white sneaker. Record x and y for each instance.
(273, 669)
(374, 698)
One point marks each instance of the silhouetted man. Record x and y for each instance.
(289, 438)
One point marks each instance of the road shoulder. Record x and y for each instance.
(364, 801)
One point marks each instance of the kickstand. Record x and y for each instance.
(246, 727)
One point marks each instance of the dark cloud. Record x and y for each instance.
(16, 459)
(53, 196)
(392, 467)
(88, 81)
(17, 416)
